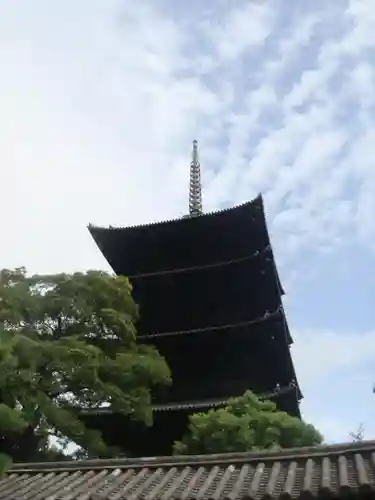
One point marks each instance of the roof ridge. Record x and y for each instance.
(259, 197)
(291, 454)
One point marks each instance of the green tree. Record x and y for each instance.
(359, 434)
(247, 423)
(5, 463)
(69, 342)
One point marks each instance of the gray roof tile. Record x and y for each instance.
(306, 473)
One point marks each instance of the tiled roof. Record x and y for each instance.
(338, 471)
(255, 202)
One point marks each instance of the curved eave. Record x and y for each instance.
(200, 405)
(221, 235)
(218, 403)
(277, 315)
(147, 248)
(215, 213)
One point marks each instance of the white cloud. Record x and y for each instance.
(321, 354)
(99, 102)
(362, 34)
(244, 27)
(336, 372)
(122, 102)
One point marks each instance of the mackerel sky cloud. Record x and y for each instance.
(99, 103)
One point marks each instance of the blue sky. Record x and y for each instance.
(99, 103)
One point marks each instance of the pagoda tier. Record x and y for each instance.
(170, 422)
(207, 296)
(229, 360)
(231, 234)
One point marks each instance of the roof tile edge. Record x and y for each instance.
(185, 460)
(178, 219)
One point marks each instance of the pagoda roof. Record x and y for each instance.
(161, 247)
(336, 471)
(258, 200)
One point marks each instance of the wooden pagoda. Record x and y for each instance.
(210, 300)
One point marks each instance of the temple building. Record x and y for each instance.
(210, 300)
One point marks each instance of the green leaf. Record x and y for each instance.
(68, 340)
(246, 424)
(5, 463)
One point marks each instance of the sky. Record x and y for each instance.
(99, 103)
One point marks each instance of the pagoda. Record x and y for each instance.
(210, 301)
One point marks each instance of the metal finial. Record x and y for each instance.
(195, 194)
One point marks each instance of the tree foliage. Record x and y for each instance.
(69, 342)
(359, 434)
(247, 423)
